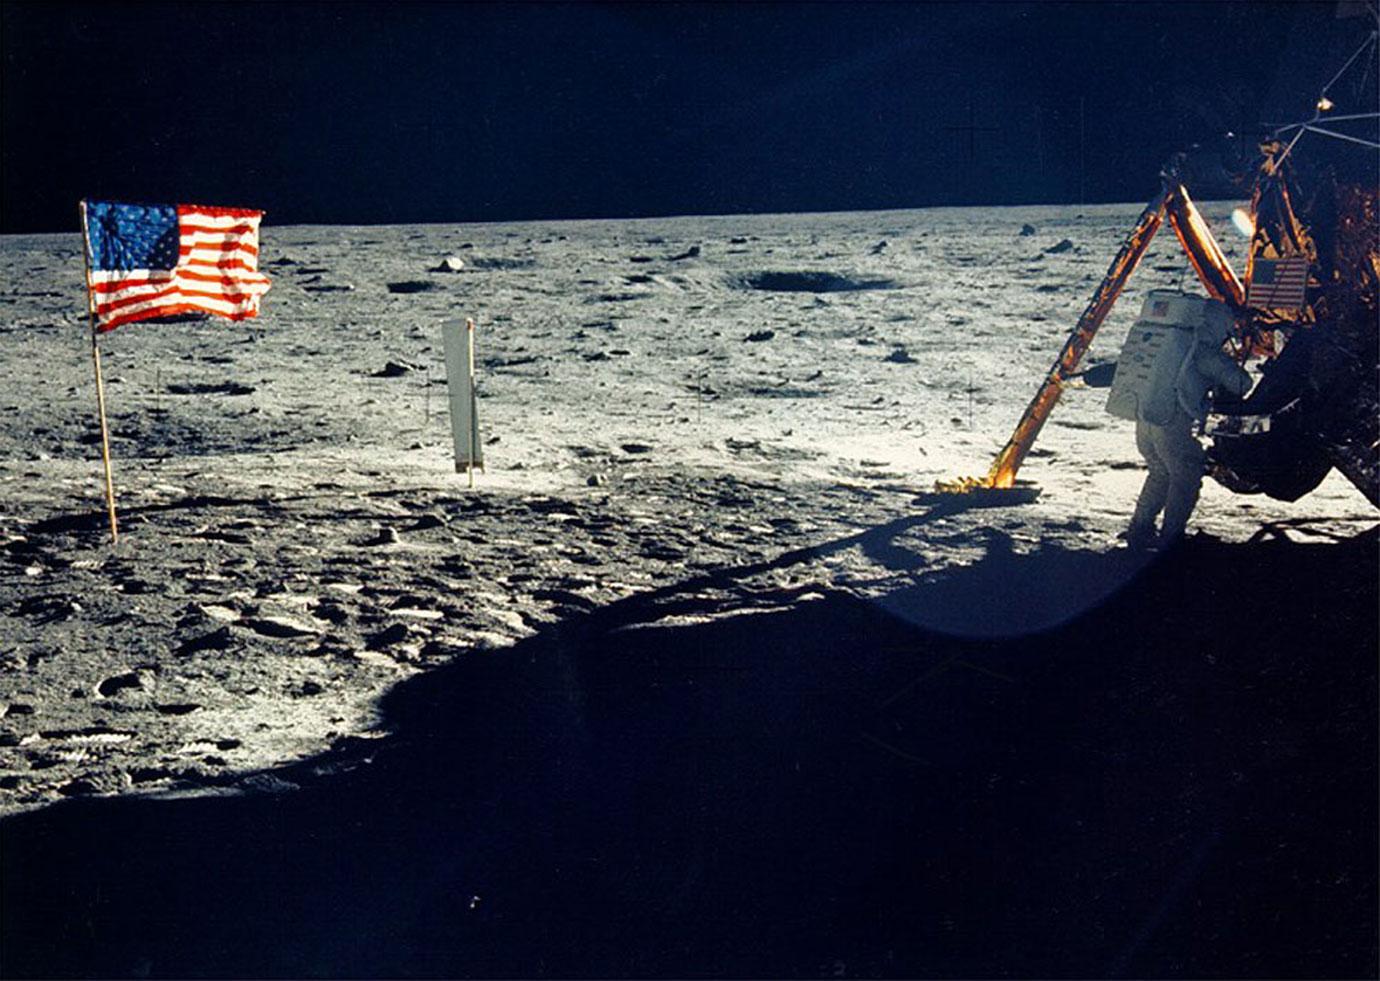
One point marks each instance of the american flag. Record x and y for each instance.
(156, 260)
(1278, 284)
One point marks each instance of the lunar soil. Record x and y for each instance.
(700, 526)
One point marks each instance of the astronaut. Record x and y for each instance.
(1175, 402)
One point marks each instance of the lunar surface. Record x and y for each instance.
(692, 428)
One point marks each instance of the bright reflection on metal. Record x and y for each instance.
(1241, 220)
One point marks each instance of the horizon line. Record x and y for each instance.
(267, 223)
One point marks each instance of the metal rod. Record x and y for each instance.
(1342, 136)
(1342, 71)
(100, 385)
(1330, 118)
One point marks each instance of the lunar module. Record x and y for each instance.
(1305, 313)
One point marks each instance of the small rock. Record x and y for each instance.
(879, 248)
(900, 356)
(663, 552)
(636, 448)
(216, 640)
(433, 649)
(215, 611)
(280, 626)
(450, 264)
(140, 678)
(79, 787)
(1063, 246)
(760, 335)
(393, 369)
(689, 253)
(419, 613)
(596, 480)
(386, 536)
(266, 783)
(177, 708)
(1027, 230)
(393, 634)
(330, 647)
(331, 612)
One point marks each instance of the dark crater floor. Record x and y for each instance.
(809, 281)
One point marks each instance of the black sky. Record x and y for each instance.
(415, 112)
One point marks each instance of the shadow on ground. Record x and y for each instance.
(1181, 782)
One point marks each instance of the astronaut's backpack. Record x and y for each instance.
(1159, 341)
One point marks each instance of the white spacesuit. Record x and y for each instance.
(1176, 400)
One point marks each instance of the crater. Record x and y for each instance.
(813, 281)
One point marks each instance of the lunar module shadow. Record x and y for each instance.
(1179, 782)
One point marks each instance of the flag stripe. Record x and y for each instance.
(106, 290)
(153, 301)
(127, 297)
(224, 264)
(174, 309)
(189, 246)
(213, 229)
(222, 215)
(212, 262)
(133, 300)
(247, 281)
(225, 278)
(135, 279)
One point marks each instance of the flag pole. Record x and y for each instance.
(474, 406)
(100, 386)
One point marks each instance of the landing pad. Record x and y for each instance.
(1023, 492)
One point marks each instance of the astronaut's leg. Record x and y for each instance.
(1154, 491)
(1184, 456)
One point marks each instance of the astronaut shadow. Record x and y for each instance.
(1013, 590)
(1178, 781)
